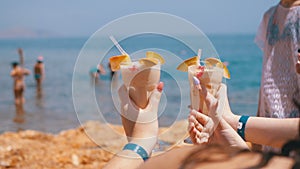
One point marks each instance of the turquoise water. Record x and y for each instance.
(54, 110)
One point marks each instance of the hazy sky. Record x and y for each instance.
(83, 18)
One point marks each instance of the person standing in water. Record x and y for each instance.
(18, 74)
(39, 72)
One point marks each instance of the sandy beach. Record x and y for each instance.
(70, 148)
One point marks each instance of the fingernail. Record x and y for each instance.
(192, 128)
(196, 81)
(193, 110)
(160, 86)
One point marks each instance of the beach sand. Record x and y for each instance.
(71, 148)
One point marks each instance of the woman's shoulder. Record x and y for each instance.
(270, 11)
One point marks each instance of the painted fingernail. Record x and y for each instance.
(160, 86)
(196, 81)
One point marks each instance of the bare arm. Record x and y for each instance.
(12, 73)
(298, 63)
(141, 128)
(260, 130)
(122, 160)
(21, 54)
(26, 71)
(271, 131)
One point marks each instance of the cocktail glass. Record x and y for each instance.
(140, 79)
(210, 76)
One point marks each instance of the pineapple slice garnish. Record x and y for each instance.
(115, 61)
(188, 62)
(150, 54)
(208, 62)
(148, 62)
(218, 63)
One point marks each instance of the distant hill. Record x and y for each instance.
(26, 33)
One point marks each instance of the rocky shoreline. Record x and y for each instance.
(91, 145)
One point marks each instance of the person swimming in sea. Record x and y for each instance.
(95, 73)
(39, 71)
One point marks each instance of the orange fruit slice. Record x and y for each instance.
(213, 62)
(188, 62)
(149, 61)
(115, 61)
(226, 73)
(150, 54)
(218, 63)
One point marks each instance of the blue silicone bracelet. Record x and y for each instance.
(241, 126)
(138, 149)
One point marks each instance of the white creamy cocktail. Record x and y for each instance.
(210, 77)
(140, 77)
(208, 73)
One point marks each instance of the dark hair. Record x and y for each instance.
(205, 154)
(39, 61)
(14, 64)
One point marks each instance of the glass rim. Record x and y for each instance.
(134, 61)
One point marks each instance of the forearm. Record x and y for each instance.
(125, 159)
(226, 135)
(268, 131)
(130, 159)
(271, 131)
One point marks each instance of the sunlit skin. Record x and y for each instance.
(298, 64)
(290, 3)
(177, 156)
(18, 74)
(39, 73)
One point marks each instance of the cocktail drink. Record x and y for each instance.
(210, 77)
(209, 73)
(140, 77)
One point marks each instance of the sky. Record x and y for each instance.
(75, 18)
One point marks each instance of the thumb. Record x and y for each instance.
(155, 96)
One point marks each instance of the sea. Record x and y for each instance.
(54, 108)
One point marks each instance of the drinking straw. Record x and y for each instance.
(199, 56)
(118, 45)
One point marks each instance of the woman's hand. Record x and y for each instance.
(214, 128)
(140, 125)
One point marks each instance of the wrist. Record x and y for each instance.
(233, 120)
(147, 144)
